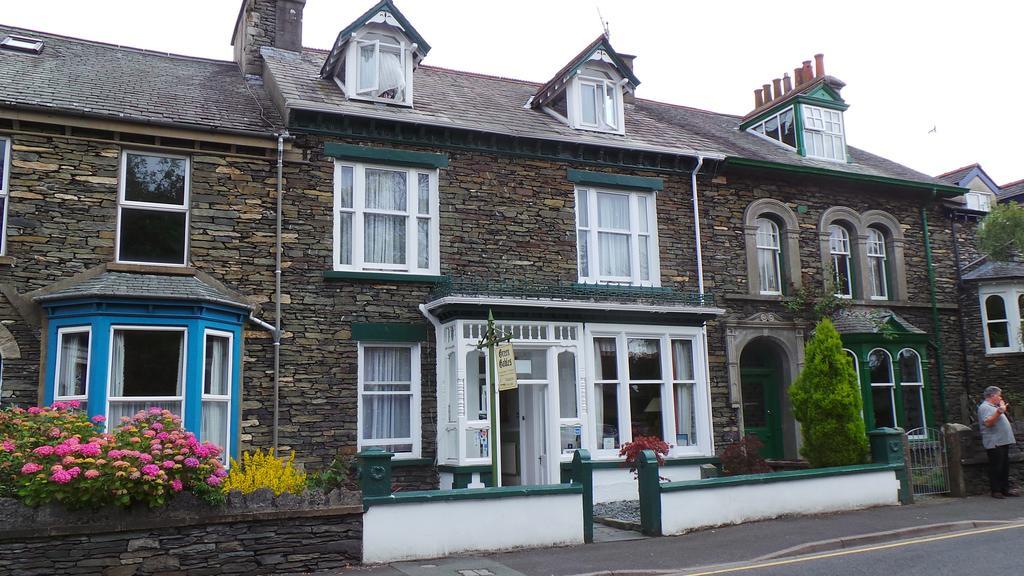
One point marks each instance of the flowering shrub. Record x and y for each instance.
(632, 450)
(56, 454)
(265, 470)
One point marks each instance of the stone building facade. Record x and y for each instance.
(618, 241)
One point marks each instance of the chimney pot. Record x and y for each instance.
(808, 71)
(798, 76)
(758, 99)
(777, 87)
(787, 84)
(819, 65)
(767, 88)
(627, 59)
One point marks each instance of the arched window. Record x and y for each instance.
(997, 327)
(856, 370)
(882, 388)
(912, 388)
(839, 250)
(878, 264)
(769, 250)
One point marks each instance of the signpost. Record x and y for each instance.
(491, 340)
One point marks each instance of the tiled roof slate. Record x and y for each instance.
(149, 286)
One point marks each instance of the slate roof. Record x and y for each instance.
(1011, 190)
(993, 270)
(869, 321)
(466, 100)
(106, 81)
(956, 176)
(149, 286)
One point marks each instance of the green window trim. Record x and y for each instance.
(386, 155)
(382, 276)
(863, 344)
(586, 177)
(389, 332)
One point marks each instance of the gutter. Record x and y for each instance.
(937, 343)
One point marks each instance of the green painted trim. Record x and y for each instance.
(390, 332)
(772, 477)
(648, 480)
(409, 462)
(669, 462)
(938, 189)
(386, 155)
(615, 180)
(798, 116)
(464, 468)
(936, 326)
(814, 100)
(583, 474)
(886, 340)
(619, 289)
(765, 115)
(472, 494)
(619, 64)
(382, 276)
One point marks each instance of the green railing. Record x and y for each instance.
(571, 291)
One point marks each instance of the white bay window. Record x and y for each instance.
(823, 133)
(617, 237)
(216, 400)
(385, 219)
(1001, 307)
(147, 370)
(389, 398)
(72, 382)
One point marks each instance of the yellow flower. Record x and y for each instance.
(265, 470)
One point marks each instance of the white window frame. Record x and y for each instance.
(622, 333)
(877, 255)
(891, 385)
(411, 214)
(218, 398)
(348, 77)
(836, 254)
(1010, 296)
(61, 332)
(574, 97)
(592, 231)
(978, 201)
(775, 246)
(415, 387)
(153, 207)
(816, 122)
(760, 131)
(5, 184)
(919, 385)
(114, 328)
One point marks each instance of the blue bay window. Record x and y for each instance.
(118, 356)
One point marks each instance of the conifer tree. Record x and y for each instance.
(826, 401)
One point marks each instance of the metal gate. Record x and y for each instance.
(928, 471)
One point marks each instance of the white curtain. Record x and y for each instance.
(392, 75)
(385, 233)
(423, 242)
(387, 387)
(588, 100)
(613, 248)
(74, 356)
(682, 360)
(567, 385)
(216, 383)
(367, 67)
(117, 365)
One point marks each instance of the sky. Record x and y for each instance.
(932, 85)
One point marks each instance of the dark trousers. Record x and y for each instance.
(999, 468)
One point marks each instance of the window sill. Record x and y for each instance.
(382, 276)
(151, 269)
(6, 261)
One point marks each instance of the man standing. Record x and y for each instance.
(996, 437)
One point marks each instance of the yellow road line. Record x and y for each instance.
(825, 555)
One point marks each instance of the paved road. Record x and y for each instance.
(992, 550)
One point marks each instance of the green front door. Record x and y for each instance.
(761, 414)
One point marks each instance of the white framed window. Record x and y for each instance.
(856, 370)
(769, 252)
(385, 219)
(883, 387)
(5, 184)
(617, 237)
(912, 390)
(594, 100)
(389, 398)
(153, 209)
(378, 67)
(1001, 318)
(216, 398)
(978, 201)
(649, 381)
(780, 127)
(877, 264)
(71, 381)
(839, 250)
(147, 369)
(823, 133)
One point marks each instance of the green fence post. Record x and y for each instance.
(649, 487)
(375, 472)
(887, 448)
(583, 473)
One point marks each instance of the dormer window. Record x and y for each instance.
(823, 133)
(779, 127)
(599, 104)
(381, 70)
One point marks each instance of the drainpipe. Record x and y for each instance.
(960, 314)
(696, 227)
(277, 284)
(937, 344)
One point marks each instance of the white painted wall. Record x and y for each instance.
(614, 484)
(689, 509)
(417, 530)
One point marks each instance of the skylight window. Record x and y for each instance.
(22, 44)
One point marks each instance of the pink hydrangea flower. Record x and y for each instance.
(115, 454)
(155, 410)
(150, 469)
(90, 474)
(8, 446)
(31, 468)
(222, 472)
(168, 464)
(64, 449)
(75, 404)
(61, 476)
(54, 432)
(74, 472)
(145, 458)
(214, 480)
(89, 450)
(35, 410)
(191, 462)
(176, 485)
(99, 418)
(44, 450)
(149, 433)
(157, 426)
(163, 436)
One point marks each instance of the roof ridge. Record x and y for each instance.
(969, 166)
(115, 46)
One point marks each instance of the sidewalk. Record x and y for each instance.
(715, 546)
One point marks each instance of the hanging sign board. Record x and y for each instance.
(506, 366)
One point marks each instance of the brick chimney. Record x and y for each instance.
(261, 23)
(779, 87)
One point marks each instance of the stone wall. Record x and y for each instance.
(185, 539)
